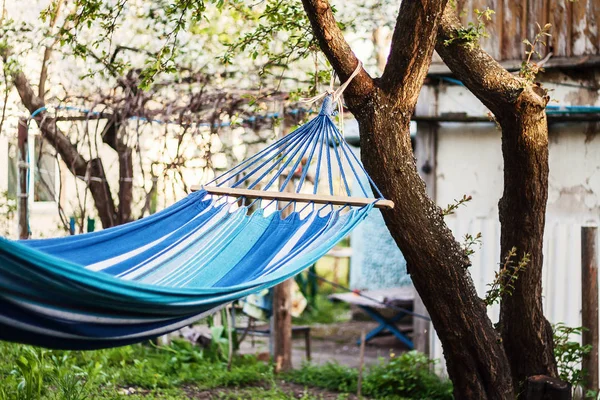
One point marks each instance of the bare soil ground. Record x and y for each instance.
(291, 389)
(333, 343)
(329, 343)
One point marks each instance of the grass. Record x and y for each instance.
(330, 376)
(407, 376)
(182, 371)
(33, 373)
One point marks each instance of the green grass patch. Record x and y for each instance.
(180, 370)
(330, 376)
(33, 373)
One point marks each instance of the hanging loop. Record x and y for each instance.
(336, 94)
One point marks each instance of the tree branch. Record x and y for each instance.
(481, 74)
(336, 49)
(48, 51)
(90, 171)
(412, 46)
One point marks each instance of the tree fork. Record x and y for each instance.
(475, 358)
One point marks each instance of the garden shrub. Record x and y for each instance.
(409, 375)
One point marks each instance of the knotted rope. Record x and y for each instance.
(336, 95)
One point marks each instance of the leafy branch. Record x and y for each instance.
(451, 208)
(279, 21)
(470, 34)
(104, 18)
(505, 278)
(529, 69)
(569, 353)
(470, 242)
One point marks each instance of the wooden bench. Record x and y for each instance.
(265, 331)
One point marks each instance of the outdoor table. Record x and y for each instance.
(373, 302)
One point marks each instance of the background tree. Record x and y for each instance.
(189, 100)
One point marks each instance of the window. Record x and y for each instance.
(42, 183)
(13, 158)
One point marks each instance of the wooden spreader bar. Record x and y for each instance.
(301, 197)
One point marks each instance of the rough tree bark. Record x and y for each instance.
(114, 136)
(476, 361)
(519, 108)
(282, 326)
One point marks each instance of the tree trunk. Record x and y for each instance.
(526, 334)
(100, 190)
(541, 387)
(437, 264)
(519, 108)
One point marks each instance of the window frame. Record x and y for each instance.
(40, 205)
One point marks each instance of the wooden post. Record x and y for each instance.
(230, 328)
(363, 339)
(281, 324)
(307, 344)
(589, 303)
(23, 206)
(425, 153)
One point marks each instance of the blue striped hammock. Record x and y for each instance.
(149, 277)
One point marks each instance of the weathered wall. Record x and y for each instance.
(476, 170)
(469, 162)
(574, 26)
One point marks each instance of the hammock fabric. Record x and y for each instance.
(149, 277)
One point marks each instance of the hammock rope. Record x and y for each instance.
(286, 155)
